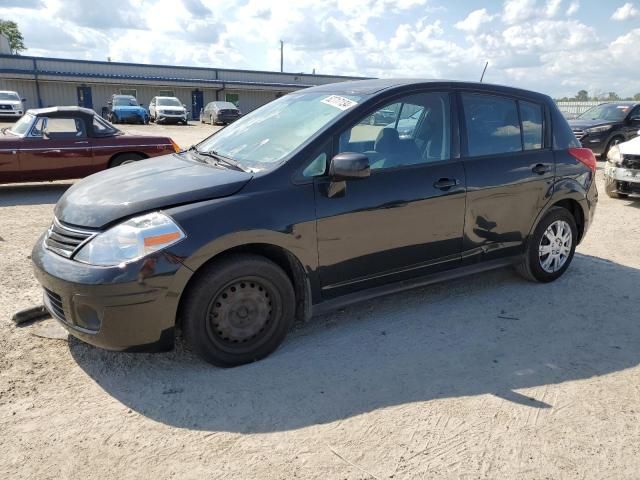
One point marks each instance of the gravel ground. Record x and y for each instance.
(483, 377)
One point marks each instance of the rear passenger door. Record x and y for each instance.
(509, 169)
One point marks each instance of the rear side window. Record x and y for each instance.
(531, 115)
(492, 123)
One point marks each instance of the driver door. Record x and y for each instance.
(58, 148)
(407, 218)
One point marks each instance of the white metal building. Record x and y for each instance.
(51, 82)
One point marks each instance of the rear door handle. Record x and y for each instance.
(446, 183)
(541, 169)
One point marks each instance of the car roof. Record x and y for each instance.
(370, 87)
(61, 111)
(631, 103)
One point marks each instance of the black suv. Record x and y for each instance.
(606, 125)
(303, 206)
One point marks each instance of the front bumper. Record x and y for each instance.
(621, 180)
(133, 117)
(596, 143)
(164, 117)
(125, 308)
(11, 113)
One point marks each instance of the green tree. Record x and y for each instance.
(12, 32)
(582, 96)
(613, 96)
(636, 96)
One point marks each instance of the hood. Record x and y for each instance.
(11, 102)
(151, 184)
(632, 147)
(578, 123)
(128, 108)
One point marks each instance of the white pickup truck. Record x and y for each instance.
(11, 104)
(622, 170)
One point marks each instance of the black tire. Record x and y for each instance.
(238, 311)
(614, 141)
(531, 267)
(124, 159)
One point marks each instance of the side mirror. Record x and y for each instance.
(349, 166)
(635, 119)
(23, 100)
(184, 105)
(110, 104)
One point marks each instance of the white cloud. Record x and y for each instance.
(573, 8)
(625, 12)
(553, 6)
(518, 10)
(474, 21)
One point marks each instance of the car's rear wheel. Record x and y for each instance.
(238, 311)
(551, 247)
(124, 159)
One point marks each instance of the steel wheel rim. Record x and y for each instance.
(127, 162)
(242, 314)
(555, 246)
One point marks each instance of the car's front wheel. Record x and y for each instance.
(551, 247)
(238, 311)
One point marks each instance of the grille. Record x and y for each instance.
(65, 240)
(579, 133)
(6, 107)
(54, 302)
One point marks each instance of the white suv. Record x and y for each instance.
(11, 105)
(167, 109)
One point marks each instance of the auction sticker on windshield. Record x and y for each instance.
(339, 102)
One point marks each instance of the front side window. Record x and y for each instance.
(60, 128)
(102, 128)
(493, 126)
(261, 139)
(409, 131)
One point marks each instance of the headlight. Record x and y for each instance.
(131, 240)
(614, 155)
(601, 129)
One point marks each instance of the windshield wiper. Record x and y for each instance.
(219, 159)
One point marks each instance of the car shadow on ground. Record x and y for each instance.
(492, 333)
(32, 194)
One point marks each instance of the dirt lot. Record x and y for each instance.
(484, 377)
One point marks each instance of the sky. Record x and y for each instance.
(554, 46)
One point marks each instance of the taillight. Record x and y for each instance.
(177, 149)
(584, 156)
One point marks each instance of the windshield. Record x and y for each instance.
(21, 127)
(267, 135)
(609, 111)
(9, 96)
(169, 102)
(125, 102)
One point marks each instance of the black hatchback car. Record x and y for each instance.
(303, 206)
(607, 125)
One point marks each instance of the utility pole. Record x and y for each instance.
(281, 56)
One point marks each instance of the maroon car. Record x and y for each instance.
(70, 142)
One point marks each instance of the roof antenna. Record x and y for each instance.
(485, 69)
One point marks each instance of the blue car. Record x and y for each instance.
(125, 109)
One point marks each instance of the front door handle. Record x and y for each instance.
(541, 169)
(446, 183)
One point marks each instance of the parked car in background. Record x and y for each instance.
(622, 170)
(70, 142)
(11, 104)
(298, 207)
(167, 109)
(219, 113)
(606, 125)
(125, 109)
